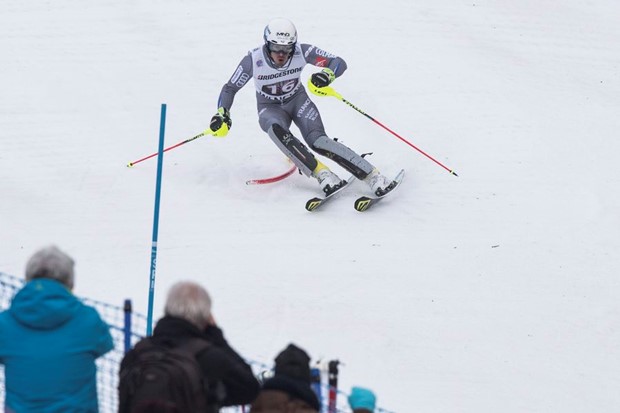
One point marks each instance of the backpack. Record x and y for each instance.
(163, 379)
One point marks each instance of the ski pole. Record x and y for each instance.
(329, 91)
(206, 132)
(332, 381)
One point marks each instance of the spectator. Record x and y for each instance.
(188, 318)
(289, 390)
(362, 400)
(49, 341)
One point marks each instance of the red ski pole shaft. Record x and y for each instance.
(130, 164)
(329, 91)
(399, 137)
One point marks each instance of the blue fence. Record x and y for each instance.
(127, 327)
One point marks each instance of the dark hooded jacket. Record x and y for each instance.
(231, 380)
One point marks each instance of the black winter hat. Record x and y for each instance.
(293, 362)
(292, 375)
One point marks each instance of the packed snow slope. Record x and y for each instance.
(493, 291)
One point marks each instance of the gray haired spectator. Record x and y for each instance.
(52, 263)
(188, 320)
(189, 301)
(49, 341)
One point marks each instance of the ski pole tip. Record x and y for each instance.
(130, 164)
(453, 173)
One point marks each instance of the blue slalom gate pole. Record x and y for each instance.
(160, 162)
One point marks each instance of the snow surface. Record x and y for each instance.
(493, 291)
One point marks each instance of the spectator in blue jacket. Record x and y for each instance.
(49, 341)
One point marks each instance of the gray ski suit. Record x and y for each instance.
(282, 99)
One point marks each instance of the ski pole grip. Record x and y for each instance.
(323, 91)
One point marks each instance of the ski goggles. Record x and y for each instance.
(281, 48)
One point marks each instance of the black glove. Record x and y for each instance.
(218, 120)
(323, 78)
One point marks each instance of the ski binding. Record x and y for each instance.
(365, 202)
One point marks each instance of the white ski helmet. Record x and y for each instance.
(281, 32)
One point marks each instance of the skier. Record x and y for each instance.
(281, 99)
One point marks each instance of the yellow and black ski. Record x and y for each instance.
(315, 203)
(365, 202)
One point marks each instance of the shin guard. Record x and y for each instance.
(293, 149)
(343, 156)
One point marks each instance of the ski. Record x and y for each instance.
(365, 202)
(315, 203)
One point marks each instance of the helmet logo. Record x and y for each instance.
(283, 34)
